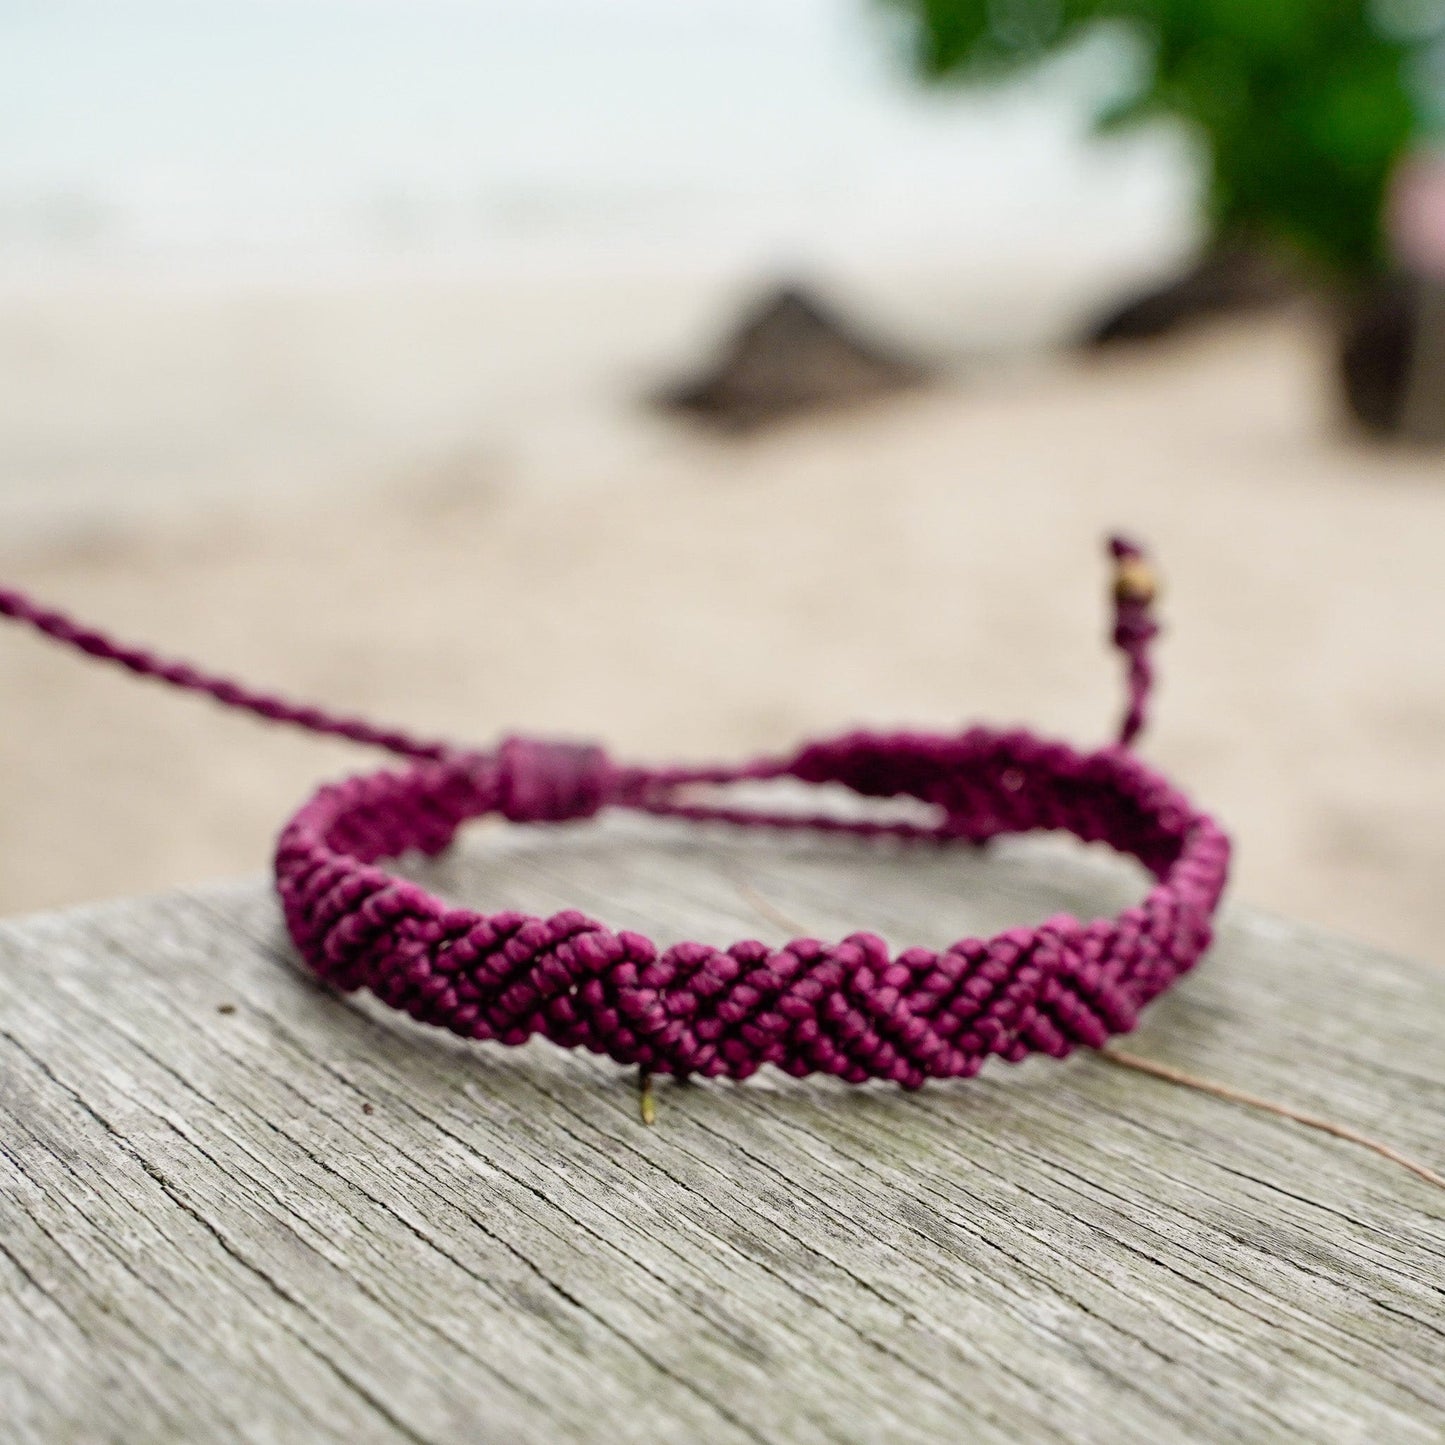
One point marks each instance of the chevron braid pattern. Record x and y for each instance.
(851, 1009)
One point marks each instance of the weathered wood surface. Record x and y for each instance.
(234, 1205)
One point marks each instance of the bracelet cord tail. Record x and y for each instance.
(1135, 590)
(186, 677)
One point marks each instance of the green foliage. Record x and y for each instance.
(1304, 106)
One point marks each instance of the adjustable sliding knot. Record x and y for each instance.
(541, 781)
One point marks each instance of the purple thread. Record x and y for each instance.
(851, 1009)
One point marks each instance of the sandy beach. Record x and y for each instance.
(492, 553)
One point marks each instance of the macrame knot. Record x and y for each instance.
(542, 781)
(852, 1008)
(1134, 629)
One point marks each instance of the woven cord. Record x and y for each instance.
(852, 1008)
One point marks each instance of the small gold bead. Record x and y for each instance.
(1134, 581)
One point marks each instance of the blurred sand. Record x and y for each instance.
(932, 560)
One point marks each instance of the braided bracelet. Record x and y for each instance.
(850, 1009)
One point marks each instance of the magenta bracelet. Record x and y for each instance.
(851, 1009)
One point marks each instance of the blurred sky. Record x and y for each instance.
(185, 128)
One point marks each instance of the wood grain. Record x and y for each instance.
(235, 1205)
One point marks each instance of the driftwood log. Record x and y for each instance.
(234, 1205)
